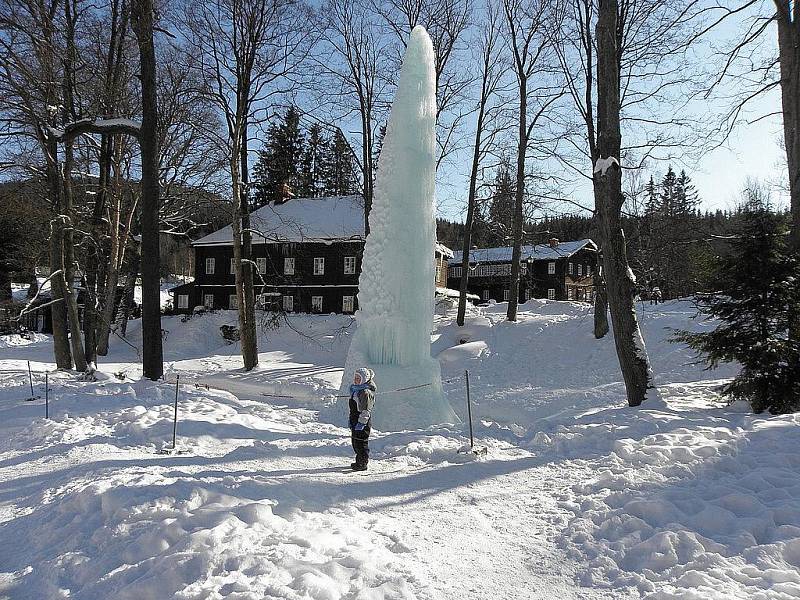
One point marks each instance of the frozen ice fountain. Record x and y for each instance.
(396, 286)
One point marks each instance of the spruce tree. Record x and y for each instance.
(312, 171)
(280, 162)
(340, 168)
(758, 281)
(501, 208)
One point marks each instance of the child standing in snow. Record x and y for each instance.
(362, 399)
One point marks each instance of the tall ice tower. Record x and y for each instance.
(396, 286)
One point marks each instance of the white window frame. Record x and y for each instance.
(349, 265)
(551, 293)
(183, 300)
(505, 295)
(233, 302)
(348, 304)
(288, 303)
(316, 304)
(288, 266)
(211, 266)
(485, 295)
(570, 293)
(570, 269)
(208, 300)
(551, 268)
(527, 294)
(580, 270)
(261, 263)
(233, 266)
(319, 265)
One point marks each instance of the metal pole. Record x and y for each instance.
(46, 397)
(30, 378)
(175, 421)
(469, 411)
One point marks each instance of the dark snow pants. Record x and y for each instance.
(360, 440)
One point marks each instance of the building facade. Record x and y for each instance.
(556, 271)
(308, 254)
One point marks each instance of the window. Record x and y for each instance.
(527, 294)
(551, 294)
(588, 270)
(505, 295)
(570, 293)
(580, 270)
(349, 265)
(551, 268)
(485, 295)
(523, 267)
(210, 266)
(233, 266)
(208, 299)
(288, 266)
(262, 265)
(316, 304)
(288, 303)
(233, 302)
(319, 266)
(183, 301)
(347, 304)
(569, 268)
(455, 271)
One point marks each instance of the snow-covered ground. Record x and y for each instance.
(577, 497)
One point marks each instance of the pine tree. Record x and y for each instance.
(758, 282)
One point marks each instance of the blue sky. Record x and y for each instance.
(753, 150)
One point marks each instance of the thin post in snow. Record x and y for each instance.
(469, 412)
(30, 379)
(46, 397)
(175, 419)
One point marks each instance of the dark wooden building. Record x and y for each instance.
(556, 270)
(308, 252)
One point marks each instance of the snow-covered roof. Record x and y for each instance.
(444, 250)
(537, 252)
(301, 220)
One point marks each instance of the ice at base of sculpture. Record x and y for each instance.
(415, 408)
(396, 285)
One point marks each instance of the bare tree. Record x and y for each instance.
(490, 76)
(247, 52)
(447, 22)
(142, 16)
(31, 43)
(532, 59)
(354, 59)
(620, 284)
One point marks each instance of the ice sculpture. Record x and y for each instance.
(396, 286)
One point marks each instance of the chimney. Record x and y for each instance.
(553, 242)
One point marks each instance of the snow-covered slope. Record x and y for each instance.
(578, 496)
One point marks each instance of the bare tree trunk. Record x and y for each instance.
(519, 197)
(247, 307)
(58, 310)
(600, 302)
(68, 262)
(126, 301)
(620, 285)
(789, 56)
(152, 352)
